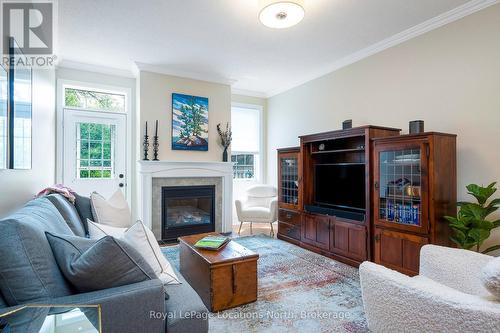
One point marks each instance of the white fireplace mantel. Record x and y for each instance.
(148, 170)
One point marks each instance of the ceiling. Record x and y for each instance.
(223, 39)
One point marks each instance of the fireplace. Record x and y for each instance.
(187, 210)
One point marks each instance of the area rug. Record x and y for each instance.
(299, 291)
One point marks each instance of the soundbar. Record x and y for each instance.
(336, 212)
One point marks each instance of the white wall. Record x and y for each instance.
(449, 77)
(76, 75)
(241, 185)
(19, 186)
(155, 103)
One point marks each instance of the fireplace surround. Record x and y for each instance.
(157, 174)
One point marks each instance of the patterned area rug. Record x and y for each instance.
(299, 291)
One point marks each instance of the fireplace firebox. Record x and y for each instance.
(187, 210)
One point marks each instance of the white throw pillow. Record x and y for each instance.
(113, 212)
(143, 240)
(98, 231)
(490, 276)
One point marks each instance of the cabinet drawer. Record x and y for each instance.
(289, 217)
(289, 230)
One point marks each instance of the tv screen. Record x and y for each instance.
(341, 185)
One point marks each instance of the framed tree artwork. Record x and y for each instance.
(189, 122)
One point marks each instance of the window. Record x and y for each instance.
(246, 146)
(93, 100)
(244, 167)
(15, 113)
(3, 118)
(95, 150)
(95, 143)
(22, 120)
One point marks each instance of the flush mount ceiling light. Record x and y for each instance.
(280, 14)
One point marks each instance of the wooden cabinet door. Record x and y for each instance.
(398, 250)
(401, 185)
(289, 178)
(348, 239)
(316, 231)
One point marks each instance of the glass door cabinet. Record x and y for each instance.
(400, 186)
(289, 178)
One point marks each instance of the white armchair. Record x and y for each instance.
(447, 296)
(260, 206)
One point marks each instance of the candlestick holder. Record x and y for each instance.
(145, 145)
(156, 145)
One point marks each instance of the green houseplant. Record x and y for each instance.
(470, 226)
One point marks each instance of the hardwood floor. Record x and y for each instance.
(257, 228)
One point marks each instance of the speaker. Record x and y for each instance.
(416, 126)
(346, 124)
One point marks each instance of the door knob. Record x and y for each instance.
(120, 175)
(121, 185)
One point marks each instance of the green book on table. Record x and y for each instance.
(212, 242)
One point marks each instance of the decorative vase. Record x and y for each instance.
(224, 155)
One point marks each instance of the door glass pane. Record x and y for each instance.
(400, 186)
(95, 150)
(289, 180)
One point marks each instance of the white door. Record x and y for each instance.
(95, 148)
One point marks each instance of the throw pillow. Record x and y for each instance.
(84, 209)
(114, 211)
(94, 265)
(143, 240)
(490, 276)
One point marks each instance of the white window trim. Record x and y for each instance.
(260, 178)
(62, 84)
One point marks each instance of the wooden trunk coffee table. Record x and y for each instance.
(223, 279)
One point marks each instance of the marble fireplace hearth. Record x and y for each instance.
(156, 176)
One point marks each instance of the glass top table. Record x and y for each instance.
(51, 319)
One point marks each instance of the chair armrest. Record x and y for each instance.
(239, 207)
(455, 268)
(274, 209)
(126, 308)
(394, 302)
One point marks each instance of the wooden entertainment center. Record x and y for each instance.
(368, 193)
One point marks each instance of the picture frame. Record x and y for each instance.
(189, 122)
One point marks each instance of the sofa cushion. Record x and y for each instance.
(98, 264)
(69, 213)
(256, 213)
(185, 309)
(84, 209)
(3, 304)
(28, 269)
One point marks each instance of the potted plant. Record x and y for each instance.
(470, 226)
(225, 139)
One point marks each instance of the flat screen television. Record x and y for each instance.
(340, 185)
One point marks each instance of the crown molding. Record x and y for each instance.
(212, 78)
(95, 68)
(249, 93)
(436, 22)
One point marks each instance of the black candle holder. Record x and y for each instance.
(156, 145)
(145, 146)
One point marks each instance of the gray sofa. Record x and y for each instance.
(29, 275)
